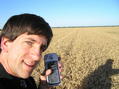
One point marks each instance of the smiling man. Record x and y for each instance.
(23, 40)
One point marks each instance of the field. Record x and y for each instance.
(90, 57)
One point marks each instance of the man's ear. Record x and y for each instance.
(4, 44)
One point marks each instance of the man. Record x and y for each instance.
(23, 40)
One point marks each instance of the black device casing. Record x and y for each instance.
(51, 62)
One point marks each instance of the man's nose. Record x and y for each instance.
(36, 54)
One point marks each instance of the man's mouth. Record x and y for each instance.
(29, 64)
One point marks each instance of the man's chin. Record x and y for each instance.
(26, 74)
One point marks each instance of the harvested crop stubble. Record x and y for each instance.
(90, 57)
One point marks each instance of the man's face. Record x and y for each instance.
(24, 53)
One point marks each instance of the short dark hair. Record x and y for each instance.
(30, 23)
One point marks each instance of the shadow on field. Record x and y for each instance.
(101, 77)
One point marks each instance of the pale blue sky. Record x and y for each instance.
(64, 12)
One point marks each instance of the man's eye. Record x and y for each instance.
(29, 43)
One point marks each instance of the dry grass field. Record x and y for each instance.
(90, 57)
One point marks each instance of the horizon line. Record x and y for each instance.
(84, 26)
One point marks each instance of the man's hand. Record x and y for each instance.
(43, 83)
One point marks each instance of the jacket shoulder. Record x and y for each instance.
(31, 81)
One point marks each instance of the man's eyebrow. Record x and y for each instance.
(31, 39)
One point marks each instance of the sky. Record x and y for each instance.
(63, 13)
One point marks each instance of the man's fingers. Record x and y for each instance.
(61, 77)
(48, 72)
(60, 66)
(45, 74)
(43, 78)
